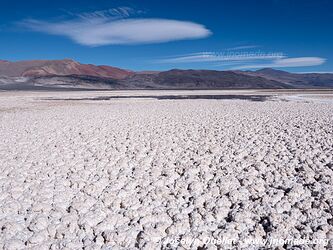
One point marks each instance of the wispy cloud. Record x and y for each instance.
(245, 59)
(286, 63)
(114, 13)
(115, 26)
(222, 56)
(244, 47)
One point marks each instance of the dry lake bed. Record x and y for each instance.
(166, 170)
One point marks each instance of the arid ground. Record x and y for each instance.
(85, 170)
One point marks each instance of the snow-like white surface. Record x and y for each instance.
(328, 98)
(148, 173)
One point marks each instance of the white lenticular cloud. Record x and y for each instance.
(300, 61)
(287, 62)
(104, 31)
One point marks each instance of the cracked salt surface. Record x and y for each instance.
(136, 174)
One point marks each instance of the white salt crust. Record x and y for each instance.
(133, 174)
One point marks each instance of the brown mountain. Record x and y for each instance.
(60, 68)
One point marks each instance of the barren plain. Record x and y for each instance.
(83, 170)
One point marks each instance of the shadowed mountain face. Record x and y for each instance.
(297, 80)
(68, 74)
(216, 79)
(201, 79)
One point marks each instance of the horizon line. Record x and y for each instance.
(176, 68)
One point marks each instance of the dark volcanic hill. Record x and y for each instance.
(215, 79)
(68, 74)
(201, 79)
(295, 79)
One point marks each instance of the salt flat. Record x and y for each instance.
(146, 173)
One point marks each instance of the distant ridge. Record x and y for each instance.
(69, 74)
(59, 67)
(296, 79)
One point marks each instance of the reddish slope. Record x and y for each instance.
(59, 67)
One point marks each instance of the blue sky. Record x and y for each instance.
(293, 35)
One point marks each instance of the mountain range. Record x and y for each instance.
(69, 74)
